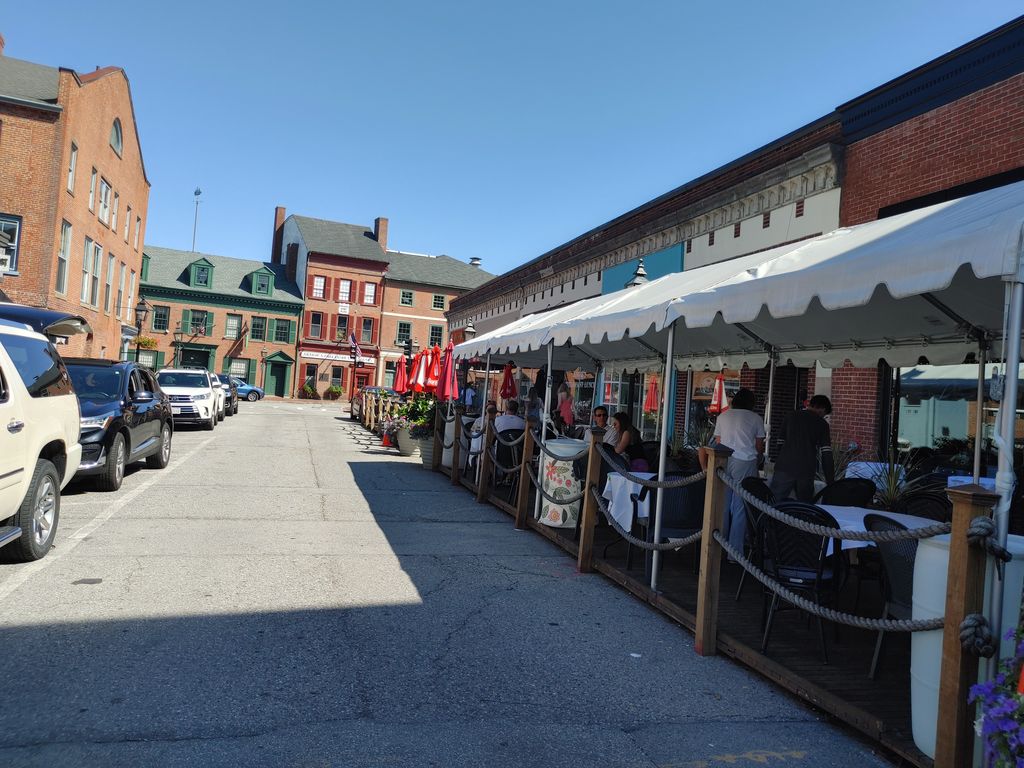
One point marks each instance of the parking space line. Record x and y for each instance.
(29, 570)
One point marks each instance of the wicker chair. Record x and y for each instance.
(898, 575)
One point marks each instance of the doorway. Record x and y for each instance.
(196, 358)
(277, 379)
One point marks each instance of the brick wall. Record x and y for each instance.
(421, 315)
(855, 404)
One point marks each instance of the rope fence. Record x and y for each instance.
(544, 494)
(614, 463)
(509, 443)
(548, 452)
(602, 504)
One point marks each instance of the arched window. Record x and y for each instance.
(115, 136)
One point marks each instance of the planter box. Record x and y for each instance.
(410, 446)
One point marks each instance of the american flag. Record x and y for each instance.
(356, 352)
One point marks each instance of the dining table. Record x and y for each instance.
(852, 519)
(618, 491)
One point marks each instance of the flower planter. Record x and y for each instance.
(414, 446)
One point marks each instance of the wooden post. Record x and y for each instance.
(706, 632)
(457, 444)
(439, 424)
(523, 499)
(965, 593)
(367, 408)
(585, 553)
(484, 460)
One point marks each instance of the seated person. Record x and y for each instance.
(510, 419)
(611, 431)
(630, 445)
(478, 425)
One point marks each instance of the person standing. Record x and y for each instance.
(808, 443)
(741, 429)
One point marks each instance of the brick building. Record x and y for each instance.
(417, 292)
(227, 315)
(73, 197)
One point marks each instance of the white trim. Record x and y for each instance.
(432, 318)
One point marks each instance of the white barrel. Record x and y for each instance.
(449, 436)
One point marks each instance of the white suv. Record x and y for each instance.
(39, 448)
(193, 398)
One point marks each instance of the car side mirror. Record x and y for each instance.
(143, 397)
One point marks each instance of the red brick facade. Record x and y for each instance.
(34, 173)
(421, 316)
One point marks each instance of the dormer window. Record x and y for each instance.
(116, 139)
(263, 284)
(200, 274)
(202, 277)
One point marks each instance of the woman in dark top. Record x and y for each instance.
(630, 445)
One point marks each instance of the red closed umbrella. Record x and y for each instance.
(651, 398)
(419, 372)
(719, 402)
(448, 386)
(433, 368)
(401, 376)
(508, 389)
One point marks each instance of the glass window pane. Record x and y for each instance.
(258, 329)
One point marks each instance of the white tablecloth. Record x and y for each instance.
(617, 490)
(852, 519)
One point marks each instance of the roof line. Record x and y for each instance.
(42, 106)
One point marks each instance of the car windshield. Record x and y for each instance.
(99, 383)
(176, 379)
(239, 383)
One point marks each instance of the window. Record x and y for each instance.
(316, 325)
(283, 331)
(197, 324)
(147, 357)
(404, 333)
(129, 308)
(39, 366)
(120, 293)
(138, 229)
(92, 191)
(389, 374)
(438, 302)
(342, 332)
(104, 201)
(202, 277)
(319, 283)
(345, 291)
(161, 318)
(310, 374)
(799, 209)
(711, 237)
(127, 221)
(406, 299)
(258, 329)
(736, 229)
(436, 335)
(109, 285)
(263, 283)
(72, 164)
(62, 257)
(366, 332)
(113, 212)
(239, 368)
(232, 326)
(10, 226)
(337, 374)
(369, 293)
(766, 220)
(116, 136)
(689, 245)
(91, 265)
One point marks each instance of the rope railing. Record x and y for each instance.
(448, 419)
(548, 452)
(510, 443)
(602, 504)
(544, 494)
(676, 482)
(448, 446)
(823, 611)
(502, 467)
(923, 532)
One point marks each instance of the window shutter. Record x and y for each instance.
(291, 331)
(186, 322)
(357, 292)
(305, 327)
(251, 378)
(209, 323)
(227, 364)
(329, 287)
(271, 327)
(309, 285)
(158, 363)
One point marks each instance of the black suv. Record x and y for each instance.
(230, 393)
(125, 418)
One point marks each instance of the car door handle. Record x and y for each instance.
(15, 426)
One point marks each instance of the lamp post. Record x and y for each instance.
(469, 332)
(178, 334)
(141, 313)
(263, 364)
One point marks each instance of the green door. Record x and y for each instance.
(277, 379)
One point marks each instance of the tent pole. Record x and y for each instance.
(768, 405)
(1005, 477)
(688, 403)
(487, 384)
(544, 424)
(662, 450)
(979, 416)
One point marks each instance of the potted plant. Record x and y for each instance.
(333, 392)
(896, 480)
(1000, 721)
(415, 429)
(145, 342)
(309, 392)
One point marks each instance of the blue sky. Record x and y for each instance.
(478, 129)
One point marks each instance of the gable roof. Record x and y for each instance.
(441, 271)
(28, 81)
(336, 239)
(168, 268)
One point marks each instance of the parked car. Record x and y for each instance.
(39, 448)
(356, 406)
(193, 399)
(218, 392)
(247, 391)
(230, 392)
(126, 417)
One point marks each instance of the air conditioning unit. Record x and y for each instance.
(5, 261)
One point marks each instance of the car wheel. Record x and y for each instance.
(113, 470)
(236, 407)
(160, 459)
(37, 516)
(211, 423)
(228, 410)
(252, 397)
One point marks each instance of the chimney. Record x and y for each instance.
(293, 260)
(474, 261)
(380, 231)
(275, 249)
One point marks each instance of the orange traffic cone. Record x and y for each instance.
(386, 440)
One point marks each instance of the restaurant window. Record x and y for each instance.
(337, 376)
(366, 333)
(161, 318)
(344, 291)
(316, 324)
(258, 328)
(72, 164)
(406, 299)
(369, 293)
(197, 323)
(436, 335)
(341, 334)
(319, 283)
(310, 374)
(232, 326)
(404, 333)
(63, 257)
(283, 331)
(438, 301)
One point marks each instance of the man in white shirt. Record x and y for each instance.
(611, 433)
(741, 429)
(510, 419)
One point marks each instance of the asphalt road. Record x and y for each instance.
(286, 594)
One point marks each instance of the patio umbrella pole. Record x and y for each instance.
(689, 402)
(662, 451)
(768, 405)
(979, 417)
(544, 422)
(1005, 477)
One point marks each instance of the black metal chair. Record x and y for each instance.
(759, 488)
(933, 505)
(801, 562)
(509, 456)
(848, 492)
(682, 515)
(898, 571)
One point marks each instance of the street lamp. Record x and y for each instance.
(263, 362)
(177, 343)
(469, 332)
(141, 313)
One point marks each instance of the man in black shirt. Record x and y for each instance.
(807, 440)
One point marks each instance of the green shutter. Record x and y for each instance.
(291, 331)
(251, 379)
(209, 323)
(159, 362)
(271, 325)
(227, 364)
(186, 322)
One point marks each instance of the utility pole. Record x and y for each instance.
(195, 221)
